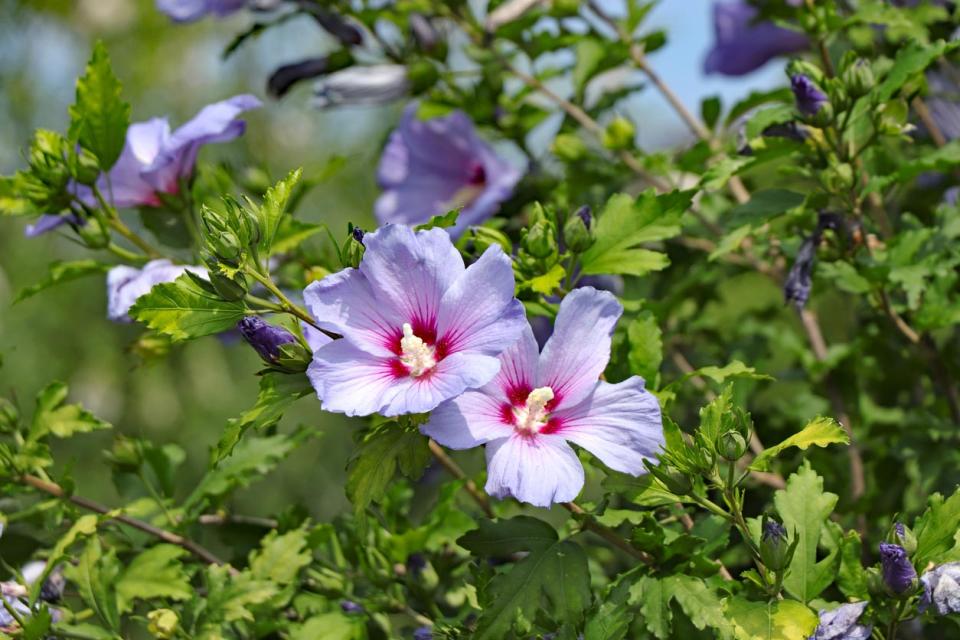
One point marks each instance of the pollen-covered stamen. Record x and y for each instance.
(533, 416)
(415, 354)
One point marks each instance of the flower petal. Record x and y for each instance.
(579, 349)
(618, 423)
(478, 312)
(345, 303)
(351, 381)
(518, 370)
(452, 376)
(411, 270)
(541, 470)
(127, 187)
(468, 421)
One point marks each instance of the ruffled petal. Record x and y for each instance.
(478, 312)
(451, 377)
(126, 186)
(618, 423)
(351, 381)
(344, 303)
(518, 370)
(411, 270)
(541, 470)
(579, 349)
(468, 421)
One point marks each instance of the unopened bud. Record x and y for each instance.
(84, 167)
(231, 289)
(775, 550)
(569, 147)
(266, 339)
(899, 575)
(902, 535)
(859, 79)
(619, 134)
(540, 241)
(94, 233)
(577, 233)
(731, 446)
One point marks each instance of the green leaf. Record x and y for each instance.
(702, 606)
(779, 620)
(845, 276)
(654, 596)
(589, 53)
(389, 447)
(277, 392)
(549, 281)
(735, 369)
(99, 117)
(270, 213)
(449, 219)
(84, 526)
(52, 417)
(712, 415)
(766, 117)
(332, 625)
(155, 573)
(804, 507)
(292, 233)
(819, 432)
(94, 576)
(935, 529)
(910, 60)
(281, 557)
(59, 272)
(763, 206)
(188, 307)
(625, 224)
(710, 110)
(644, 491)
(12, 200)
(646, 346)
(612, 619)
(852, 578)
(555, 570)
(36, 625)
(231, 598)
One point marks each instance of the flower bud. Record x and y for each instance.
(163, 623)
(731, 446)
(875, 584)
(423, 633)
(352, 252)
(577, 233)
(231, 289)
(809, 97)
(423, 75)
(266, 339)
(540, 241)
(619, 134)
(902, 535)
(676, 482)
(775, 551)
(899, 576)
(859, 79)
(94, 233)
(84, 167)
(804, 68)
(569, 147)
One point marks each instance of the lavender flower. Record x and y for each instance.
(49, 222)
(743, 45)
(541, 401)
(898, 572)
(944, 101)
(266, 339)
(423, 633)
(431, 166)
(191, 10)
(154, 160)
(367, 85)
(349, 606)
(808, 95)
(841, 623)
(418, 327)
(941, 588)
(126, 284)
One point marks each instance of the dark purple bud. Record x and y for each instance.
(283, 78)
(842, 623)
(898, 572)
(796, 289)
(585, 214)
(808, 95)
(358, 234)
(334, 24)
(416, 563)
(899, 529)
(423, 633)
(773, 531)
(349, 606)
(265, 338)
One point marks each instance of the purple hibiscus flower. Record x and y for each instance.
(418, 327)
(743, 45)
(126, 284)
(941, 588)
(432, 166)
(541, 401)
(154, 160)
(898, 572)
(190, 10)
(48, 222)
(808, 95)
(842, 623)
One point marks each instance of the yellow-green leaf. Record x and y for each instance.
(783, 620)
(819, 432)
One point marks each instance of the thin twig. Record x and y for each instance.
(687, 523)
(478, 496)
(233, 518)
(923, 112)
(607, 533)
(57, 491)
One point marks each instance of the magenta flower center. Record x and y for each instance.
(478, 175)
(415, 354)
(533, 416)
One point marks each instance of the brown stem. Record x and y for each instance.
(478, 496)
(607, 533)
(923, 112)
(57, 491)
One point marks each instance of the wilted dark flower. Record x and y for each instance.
(898, 572)
(349, 606)
(283, 78)
(742, 44)
(941, 588)
(367, 85)
(334, 24)
(808, 95)
(266, 339)
(841, 623)
(799, 281)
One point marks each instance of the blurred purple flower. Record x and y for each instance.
(944, 101)
(432, 166)
(808, 95)
(265, 339)
(154, 159)
(48, 222)
(841, 623)
(190, 10)
(362, 85)
(349, 606)
(541, 401)
(941, 588)
(742, 45)
(898, 572)
(418, 327)
(126, 284)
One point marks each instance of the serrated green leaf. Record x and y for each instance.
(625, 223)
(612, 619)
(766, 117)
(84, 527)
(59, 272)
(654, 597)
(230, 598)
(646, 346)
(804, 507)
(703, 606)
(189, 307)
(936, 527)
(36, 625)
(281, 557)
(547, 283)
(555, 570)
(589, 53)
(763, 206)
(644, 491)
(448, 219)
(385, 450)
(292, 233)
(852, 578)
(332, 625)
(155, 573)
(779, 620)
(270, 213)
(52, 417)
(94, 576)
(820, 432)
(99, 116)
(910, 60)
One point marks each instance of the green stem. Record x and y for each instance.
(115, 223)
(125, 254)
(286, 305)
